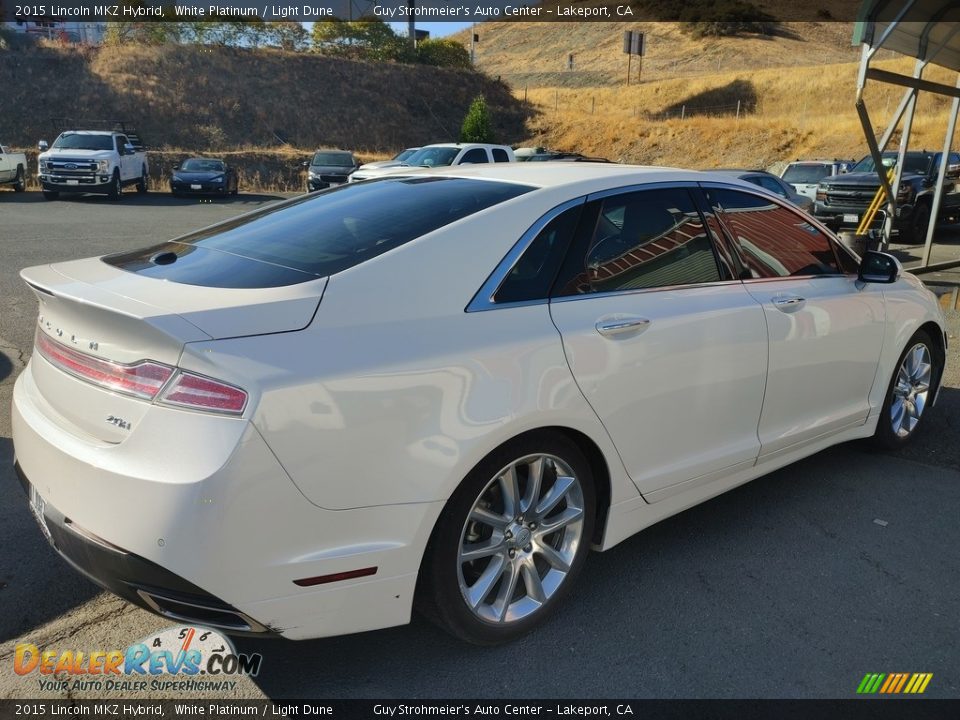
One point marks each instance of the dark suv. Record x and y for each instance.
(330, 167)
(843, 199)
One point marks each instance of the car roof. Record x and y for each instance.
(579, 176)
(200, 157)
(91, 132)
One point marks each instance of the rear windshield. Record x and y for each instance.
(913, 163)
(336, 159)
(316, 235)
(807, 173)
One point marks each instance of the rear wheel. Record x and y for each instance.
(20, 181)
(511, 541)
(142, 183)
(918, 372)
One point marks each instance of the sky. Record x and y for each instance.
(437, 29)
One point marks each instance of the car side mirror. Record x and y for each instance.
(879, 267)
(129, 149)
(43, 146)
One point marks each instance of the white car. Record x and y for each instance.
(13, 169)
(396, 161)
(441, 155)
(443, 390)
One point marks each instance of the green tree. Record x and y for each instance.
(443, 52)
(476, 125)
(287, 35)
(365, 39)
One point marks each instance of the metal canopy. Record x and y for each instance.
(929, 32)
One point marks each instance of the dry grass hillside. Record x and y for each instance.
(202, 98)
(746, 101)
(806, 112)
(535, 54)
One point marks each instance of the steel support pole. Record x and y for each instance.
(941, 177)
(891, 217)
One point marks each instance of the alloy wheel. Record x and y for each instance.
(910, 390)
(520, 539)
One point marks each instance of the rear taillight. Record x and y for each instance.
(142, 379)
(201, 393)
(146, 379)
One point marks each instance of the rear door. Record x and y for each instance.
(663, 340)
(474, 156)
(825, 331)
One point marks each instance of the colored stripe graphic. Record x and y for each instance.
(894, 683)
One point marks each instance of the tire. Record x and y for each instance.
(20, 181)
(51, 195)
(520, 573)
(142, 182)
(116, 187)
(919, 221)
(909, 393)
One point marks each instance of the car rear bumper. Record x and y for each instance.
(195, 544)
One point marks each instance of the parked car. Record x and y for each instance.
(92, 161)
(13, 169)
(328, 168)
(842, 199)
(396, 160)
(337, 408)
(445, 154)
(805, 175)
(771, 183)
(204, 176)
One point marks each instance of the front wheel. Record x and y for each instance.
(19, 182)
(919, 222)
(116, 187)
(511, 541)
(918, 372)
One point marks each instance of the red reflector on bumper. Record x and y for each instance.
(335, 577)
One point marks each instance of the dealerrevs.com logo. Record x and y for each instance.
(894, 683)
(186, 658)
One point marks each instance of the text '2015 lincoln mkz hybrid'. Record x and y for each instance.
(441, 390)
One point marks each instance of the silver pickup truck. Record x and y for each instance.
(13, 169)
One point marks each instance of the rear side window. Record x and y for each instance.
(534, 272)
(770, 184)
(500, 155)
(477, 155)
(646, 239)
(772, 240)
(317, 235)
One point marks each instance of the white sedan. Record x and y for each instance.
(441, 391)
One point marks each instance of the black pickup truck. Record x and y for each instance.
(842, 200)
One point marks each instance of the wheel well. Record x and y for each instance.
(601, 476)
(939, 342)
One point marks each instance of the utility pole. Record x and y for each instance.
(411, 25)
(473, 44)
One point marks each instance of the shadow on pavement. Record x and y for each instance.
(36, 585)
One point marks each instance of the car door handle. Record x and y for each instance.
(788, 302)
(621, 324)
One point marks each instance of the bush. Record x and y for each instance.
(443, 52)
(476, 125)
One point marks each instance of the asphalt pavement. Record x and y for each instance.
(794, 585)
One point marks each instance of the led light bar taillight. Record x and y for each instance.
(201, 393)
(146, 379)
(142, 379)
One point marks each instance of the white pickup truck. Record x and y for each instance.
(92, 161)
(442, 154)
(13, 169)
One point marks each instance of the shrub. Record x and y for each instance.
(443, 52)
(476, 125)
